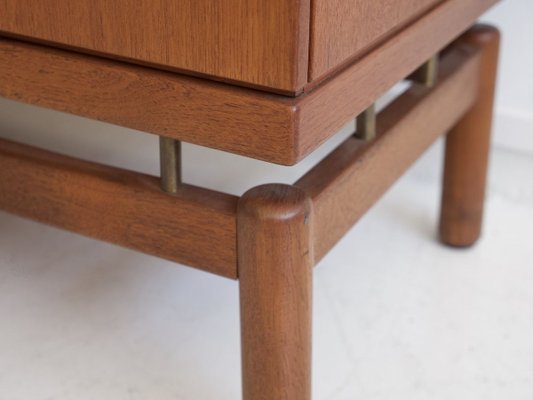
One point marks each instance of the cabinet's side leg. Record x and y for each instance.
(467, 151)
(275, 273)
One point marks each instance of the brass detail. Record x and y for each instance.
(427, 74)
(170, 161)
(365, 124)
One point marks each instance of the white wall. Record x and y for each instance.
(514, 110)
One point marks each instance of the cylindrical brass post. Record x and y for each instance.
(365, 124)
(170, 161)
(427, 74)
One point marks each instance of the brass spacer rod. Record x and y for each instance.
(170, 163)
(427, 74)
(365, 124)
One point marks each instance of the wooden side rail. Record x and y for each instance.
(196, 227)
(348, 182)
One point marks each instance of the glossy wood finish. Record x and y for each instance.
(269, 127)
(256, 42)
(467, 151)
(275, 269)
(195, 227)
(342, 30)
(354, 176)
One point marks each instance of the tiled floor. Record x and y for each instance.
(397, 316)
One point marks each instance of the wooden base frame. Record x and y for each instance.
(271, 237)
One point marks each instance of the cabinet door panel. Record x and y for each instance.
(256, 42)
(343, 29)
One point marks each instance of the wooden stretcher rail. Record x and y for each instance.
(196, 227)
(348, 182)
(248, 122)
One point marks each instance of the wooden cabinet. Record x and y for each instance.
(256, 42)
(277, 45)
(342, 30)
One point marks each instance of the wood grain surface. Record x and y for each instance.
(265, 126)
(256, 42)
(327, 108)
(196, 227)
(341, 30)
(467, 151)
(354, 176)
(274, 227)
(206, 113)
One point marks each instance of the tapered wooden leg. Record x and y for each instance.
(467, 151)
(275, 272)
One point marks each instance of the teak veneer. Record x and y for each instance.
(269, 127)
(262, 43)
(277, 45)
(343, 30)
(270, 238)
(74, 194)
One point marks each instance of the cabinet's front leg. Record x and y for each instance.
(275, 273)
(467, 151)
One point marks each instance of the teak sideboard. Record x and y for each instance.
(271, 80)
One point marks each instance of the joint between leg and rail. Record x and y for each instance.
(275, 261)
